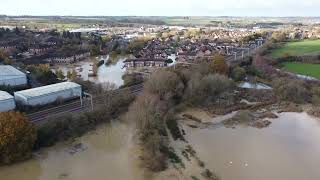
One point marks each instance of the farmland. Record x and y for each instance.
(312, 70)
(300, 48)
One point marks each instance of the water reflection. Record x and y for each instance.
(109, 72)
(287, 150)
(248, 85)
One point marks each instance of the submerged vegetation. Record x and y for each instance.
(154, 111)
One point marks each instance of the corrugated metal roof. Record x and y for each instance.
(45, 90)
(5, 96)
(6, 70)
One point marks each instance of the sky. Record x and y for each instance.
(161, 7)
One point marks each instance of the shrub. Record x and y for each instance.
(148, 113)
(132, 79)
(219, 65)
(17, 137)
(291, 90)
(166, 84)
(238, 73)
(208, 89)
(173, 127)
(316, 95)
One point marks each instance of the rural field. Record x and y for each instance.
(312, 70)
(299, 48)
(193, 21)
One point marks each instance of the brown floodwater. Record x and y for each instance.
(111, 73)
(287, 150)
(106, 153)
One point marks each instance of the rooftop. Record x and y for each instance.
(145, 59)
(6, 70)
(45, 90)
(5, 96)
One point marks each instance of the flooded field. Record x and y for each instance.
(106, 153)
(287, 150)
(112, 72)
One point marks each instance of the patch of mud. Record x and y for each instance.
(289, 107)
(197, 114)
(76, 148)
(314, 111)
(257, 119)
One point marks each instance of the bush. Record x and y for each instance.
(291, 90)
(219, 65)
(173, 127)
(208, 89)
(17, 137)
(148, 113)
(132, 79)
(238, 73)
(166, 84)
(316, 95)
(43, 74)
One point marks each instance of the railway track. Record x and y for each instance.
(75, 106)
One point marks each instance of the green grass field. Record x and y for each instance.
(306, 47)
(312, 70)
(194, 21)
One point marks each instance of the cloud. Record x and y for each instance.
(162, 7)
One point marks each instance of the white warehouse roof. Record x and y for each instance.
(6, 102)
(47, 90)
(11, 76)
(5, 96)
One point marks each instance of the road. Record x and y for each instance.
(75, 105)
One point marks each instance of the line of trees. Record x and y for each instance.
(164, 92)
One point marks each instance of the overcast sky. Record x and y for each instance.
(162, 7)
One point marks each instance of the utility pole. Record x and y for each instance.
(91, 99)
(81, 100)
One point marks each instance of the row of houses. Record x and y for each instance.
(68, 59)
(145, 62)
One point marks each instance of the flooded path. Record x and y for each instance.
(287, 150)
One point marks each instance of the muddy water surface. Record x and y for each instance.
(287, 150)
(106, 153)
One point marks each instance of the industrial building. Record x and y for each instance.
(48, 94)
(7, 102)
(12, 76)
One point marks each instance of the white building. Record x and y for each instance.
(12, 76)
(6, 102)
(48, 94)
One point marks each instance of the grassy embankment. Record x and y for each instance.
(300, 48)
(312, 70)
